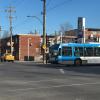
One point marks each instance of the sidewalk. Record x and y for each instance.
(37, 60)
(28, 61)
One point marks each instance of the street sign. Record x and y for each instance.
(44, 46)
(9, 44)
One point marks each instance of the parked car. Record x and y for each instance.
(7, 57)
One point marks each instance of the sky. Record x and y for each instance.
(58, 12)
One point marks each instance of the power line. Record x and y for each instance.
(48, 3)
(18, 3)
(58, 5)
(20, 24)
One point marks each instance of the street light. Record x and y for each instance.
(44, 32)
(28, 48)
(37, 19)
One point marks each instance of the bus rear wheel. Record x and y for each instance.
(78, 62)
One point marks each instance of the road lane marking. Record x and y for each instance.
(43, 81)
(49, 87)
(32, 82)
(62, 71)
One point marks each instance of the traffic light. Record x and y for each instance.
(47, 41)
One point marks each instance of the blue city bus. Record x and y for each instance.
(75, 53)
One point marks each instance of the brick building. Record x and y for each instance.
(91, 34)
(25, 46)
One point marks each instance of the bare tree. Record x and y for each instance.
(31, 32)
(65, 27)
(5, 34)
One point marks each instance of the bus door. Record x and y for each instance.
(66, 56)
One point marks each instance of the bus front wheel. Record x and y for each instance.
(78, 62)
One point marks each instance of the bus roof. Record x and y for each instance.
(80, 44)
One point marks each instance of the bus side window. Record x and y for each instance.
(78, 51)
(67, 51)
(97, 51)
(88, 51)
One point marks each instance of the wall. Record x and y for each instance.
(24, 45)
(29, 45)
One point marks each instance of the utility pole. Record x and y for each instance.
(10, 10)
(0, 40)
(44, 30)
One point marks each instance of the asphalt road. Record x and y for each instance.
(29, 81)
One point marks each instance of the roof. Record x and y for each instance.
(49, 36)
(81, 44)
(28, 34)
(93, 29)
(69, 36)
